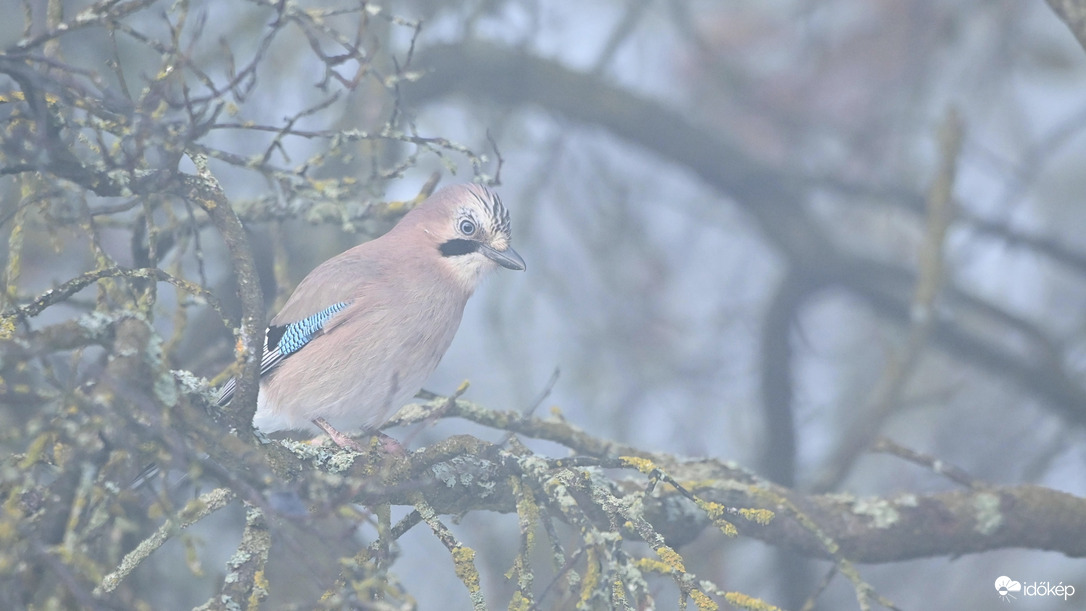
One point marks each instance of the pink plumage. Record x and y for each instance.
(363, 331)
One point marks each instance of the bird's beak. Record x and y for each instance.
(508, 258)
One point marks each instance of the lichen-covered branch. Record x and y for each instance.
(196, 511)
(463, 472)
(205, 190)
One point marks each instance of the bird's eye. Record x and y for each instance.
(467, 227)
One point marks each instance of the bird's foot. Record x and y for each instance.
(341, 439)
(390, 445)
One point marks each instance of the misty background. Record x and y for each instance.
(722, 210)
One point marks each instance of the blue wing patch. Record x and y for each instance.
(281, 341)
(297, 334)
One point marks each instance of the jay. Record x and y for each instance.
(363, 331)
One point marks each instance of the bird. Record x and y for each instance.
(363, 331)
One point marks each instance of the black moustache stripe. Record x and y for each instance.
(453, 248)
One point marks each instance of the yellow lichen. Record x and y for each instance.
(758, 516)
(652, 565)
(643, 465)
(671, 557)
(726, 527)
(192, 510)
(7, 327)
(694, 485)
(396, 207)
(35, 452)
(259, 591)
(591, 577)
(703, 601)
(519, 602)
(527, 510)
(464, 564)
(738, 599)
(618, 592)
(711, 509)
(716, 511)
(526, 505)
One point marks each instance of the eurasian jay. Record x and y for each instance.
(363, 331)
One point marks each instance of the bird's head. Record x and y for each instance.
(469, 226)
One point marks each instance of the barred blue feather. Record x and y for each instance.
(281, 341)
(297, 334)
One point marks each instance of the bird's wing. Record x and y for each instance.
(281, 341)
(311, 308)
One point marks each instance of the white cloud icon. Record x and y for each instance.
(1005, 585)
